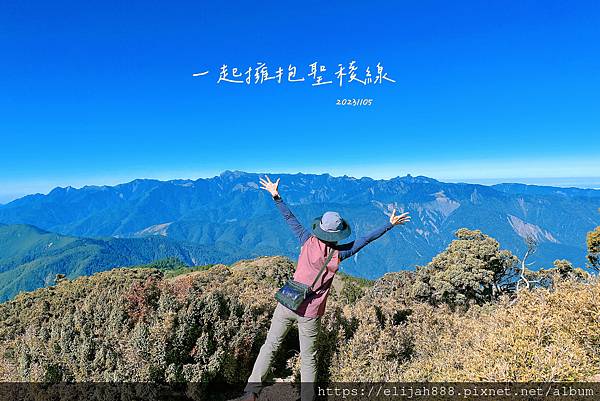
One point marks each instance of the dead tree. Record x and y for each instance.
(531, 243)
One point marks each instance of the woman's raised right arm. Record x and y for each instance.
(273, 188)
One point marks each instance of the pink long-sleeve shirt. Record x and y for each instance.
(312, 257)
(313, 254)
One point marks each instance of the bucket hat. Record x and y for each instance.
(331, 227)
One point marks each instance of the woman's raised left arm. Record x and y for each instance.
(361, 242)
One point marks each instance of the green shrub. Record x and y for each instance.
(472, 270)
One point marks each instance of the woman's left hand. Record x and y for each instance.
(397, 220)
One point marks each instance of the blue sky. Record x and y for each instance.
(102, 92)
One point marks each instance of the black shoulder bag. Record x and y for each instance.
(293, 293)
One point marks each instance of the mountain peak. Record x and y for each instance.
(61, 190)
(232, 174)
(420, 179)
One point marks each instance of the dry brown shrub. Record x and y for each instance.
(543, 336)
(142, 298)
(207, 326)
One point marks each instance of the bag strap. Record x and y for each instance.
(322, 269)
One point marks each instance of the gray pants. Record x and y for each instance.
(308, 328)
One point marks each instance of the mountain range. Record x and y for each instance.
(31, 258)
(232, 211)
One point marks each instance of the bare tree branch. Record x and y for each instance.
(531, 243)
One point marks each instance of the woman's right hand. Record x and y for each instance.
(269, 186)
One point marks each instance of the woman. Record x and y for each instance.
(316, 247)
